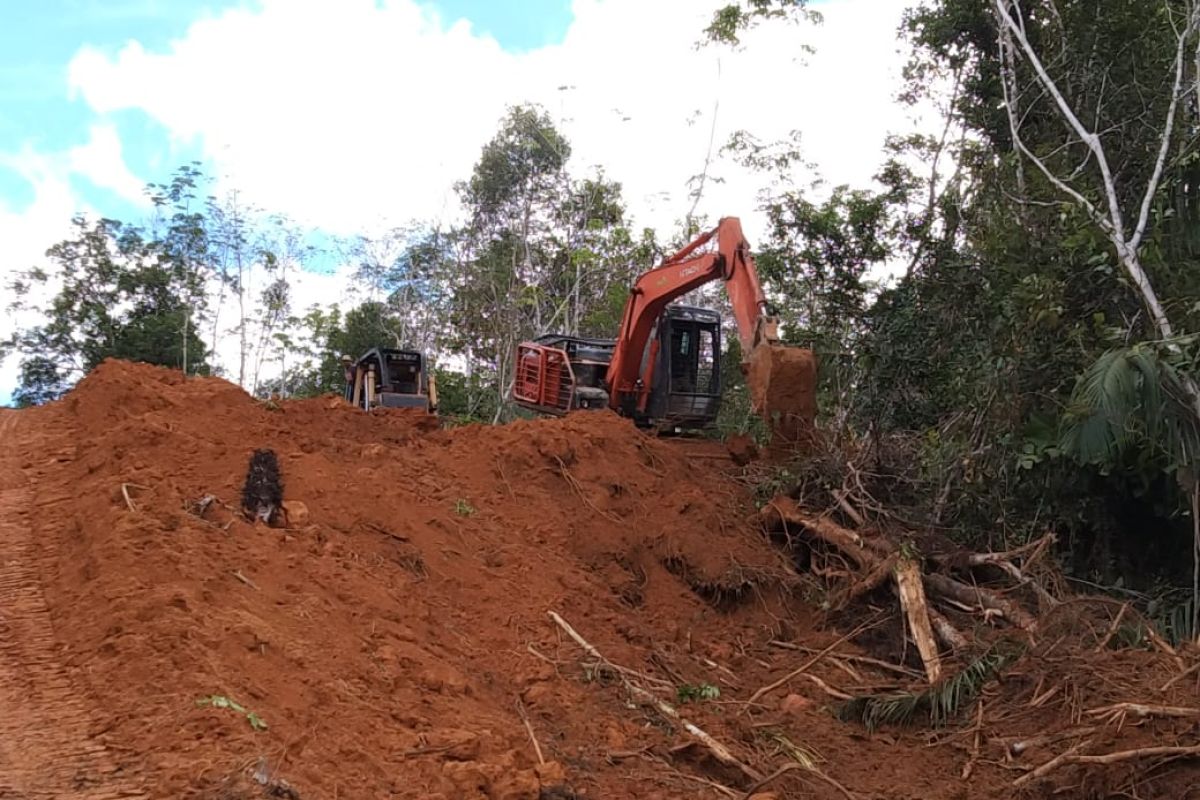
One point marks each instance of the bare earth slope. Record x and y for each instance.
(395, 640)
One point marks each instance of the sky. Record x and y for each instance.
(356, 115)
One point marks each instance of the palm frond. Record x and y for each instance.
(941, 703)
(1132, 396)
(1177, 624)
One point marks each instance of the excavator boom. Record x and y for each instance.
(728, 260)
(782, 380)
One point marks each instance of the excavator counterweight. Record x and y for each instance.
(663, 369)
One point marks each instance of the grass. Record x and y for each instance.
(221, 701)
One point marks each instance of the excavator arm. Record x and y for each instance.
(729, 260)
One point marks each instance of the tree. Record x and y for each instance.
(116, 298)
(542, 251)
(1118, 190)
(182, 239)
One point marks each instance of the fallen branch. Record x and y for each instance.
(1052, 764)
(785, 510)
(897, 668)
(1162, 645)
(912, 601)
(1141, 752)
(871, 581)
(718, 750)
(1072, 756)
(786, 768)
(807, 664)
(1018, 748)
(836, 694)
(537, 748)
(1037, 547)
(850, 511)
(977, 595)
(1118, 711)
(946, 631)
(125, 487)
(238, 574)
(1189, 671)
(976, 744)
(1112, 629)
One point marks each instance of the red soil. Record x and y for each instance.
(392, 640)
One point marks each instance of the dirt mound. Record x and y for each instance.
(393, 640)
(387, 640)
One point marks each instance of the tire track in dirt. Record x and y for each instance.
(46, 748)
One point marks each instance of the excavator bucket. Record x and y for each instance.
(783, 390)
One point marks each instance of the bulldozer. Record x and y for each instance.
(390, 378)
(663, 368)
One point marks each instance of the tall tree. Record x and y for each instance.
(112, 295)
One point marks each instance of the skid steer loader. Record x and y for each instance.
(389, 378)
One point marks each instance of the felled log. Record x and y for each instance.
(783, 512)
(912, 600)
(977, 595)
(950, 635)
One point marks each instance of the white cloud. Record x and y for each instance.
(354, 114)
(102, 162)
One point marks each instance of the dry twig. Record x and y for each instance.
(786, 768)
(718, 750)
(1118, 711)
(808, 664)
(1189, 671)
(1052, 764)
(1112, 629)
(238, 574)
(125, 487)
(897, 668)
(537, 748)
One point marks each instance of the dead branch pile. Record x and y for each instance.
(861, 562)
(1089, 688)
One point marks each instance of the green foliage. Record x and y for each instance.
(463, 508)
(220, 701)
(941, 703)
(1136, 399)
(464, 399)
(730, 21)
(116, 298)
(687, 693)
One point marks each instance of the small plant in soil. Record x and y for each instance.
(705, 691)
(221, 701)
(463, 508)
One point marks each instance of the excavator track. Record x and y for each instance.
(47, 748)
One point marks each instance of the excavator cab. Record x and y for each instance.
(685, 389)
(390, 378)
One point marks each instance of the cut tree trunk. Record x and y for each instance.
(912, 599)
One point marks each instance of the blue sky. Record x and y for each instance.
(39, 39)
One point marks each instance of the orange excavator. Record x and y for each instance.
(663, 369)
